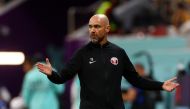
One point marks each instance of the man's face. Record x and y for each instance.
(98, 29)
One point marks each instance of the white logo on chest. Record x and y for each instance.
(92, 61)
(114, 60)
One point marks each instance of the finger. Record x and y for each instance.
(172, 89)
(39, 64)
(176, 85)
(42, 71)
(173, 79)
(40, 68)
(47, 61)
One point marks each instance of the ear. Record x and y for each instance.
(108, 28)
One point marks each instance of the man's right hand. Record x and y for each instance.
(45, 68)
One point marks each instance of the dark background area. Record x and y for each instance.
(33, 26)
(52, 15)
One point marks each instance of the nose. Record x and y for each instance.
(92, 30)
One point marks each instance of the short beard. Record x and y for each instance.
(94, 40)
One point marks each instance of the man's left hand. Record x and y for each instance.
(170, 85)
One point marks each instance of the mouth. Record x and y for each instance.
(93, 38)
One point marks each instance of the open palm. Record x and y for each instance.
(170, 85)
(45, 68)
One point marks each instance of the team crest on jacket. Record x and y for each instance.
(114, 60)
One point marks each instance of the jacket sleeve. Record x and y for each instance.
(69, 71)
(133, 78)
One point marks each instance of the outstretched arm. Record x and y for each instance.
(68, 72)
(132, 76)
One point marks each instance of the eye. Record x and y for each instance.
(89, 26)
(97, 26)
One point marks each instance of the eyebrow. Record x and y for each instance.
(95, 25)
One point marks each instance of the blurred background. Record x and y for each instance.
(154, 33)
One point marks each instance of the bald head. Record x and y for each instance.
(99, 28)
(103, 19)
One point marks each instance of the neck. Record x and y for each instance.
(104, 41)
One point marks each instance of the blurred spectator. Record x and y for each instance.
(182, 97)
(17, 103)
(75, 93)
(3, 104)
(128, 93)
(181, 19)
(106, 7)
(38, 92)
(135, 13)
(4, 97)
(145, 99)
(180, 15)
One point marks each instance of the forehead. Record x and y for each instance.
(96, 21)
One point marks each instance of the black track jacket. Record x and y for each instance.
(100, 69)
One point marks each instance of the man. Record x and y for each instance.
(100, 66)
(37, 88)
